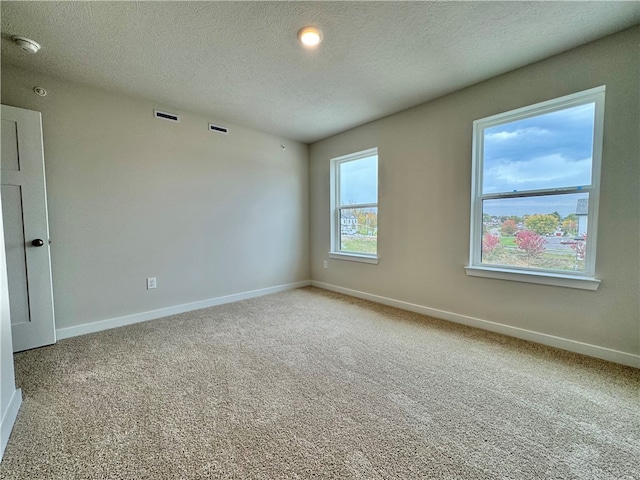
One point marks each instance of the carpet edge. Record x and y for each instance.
(603, 353)
(109, 323)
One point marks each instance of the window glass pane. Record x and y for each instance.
(552, 150)
(548, 232)
(359, 181)
(359, 230)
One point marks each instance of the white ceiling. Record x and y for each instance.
(240, 62)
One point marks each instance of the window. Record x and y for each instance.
(354, 193)
(534, 201)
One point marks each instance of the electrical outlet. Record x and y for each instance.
(151, 283)
(325, 264)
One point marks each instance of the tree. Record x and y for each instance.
(541, 224)
(570, 224)
(557, 215)
(489, 243)
(509, 227)
(531, 243)
(367, 220)
(371, 220)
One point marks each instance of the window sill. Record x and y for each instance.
(354, 257)
(555, 279)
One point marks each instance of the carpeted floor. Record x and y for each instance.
(313, 384)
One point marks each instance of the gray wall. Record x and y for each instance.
(132, 197)
(424, 203)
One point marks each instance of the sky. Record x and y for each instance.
(359, 181)
(553, 150)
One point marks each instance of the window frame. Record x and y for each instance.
(475, 267)
(336, 251)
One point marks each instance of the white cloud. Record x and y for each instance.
(516, 134)
(540, 172)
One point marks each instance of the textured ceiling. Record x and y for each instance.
(240, 62)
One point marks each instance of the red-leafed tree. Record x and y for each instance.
(531, 243)
(580, 248)
(489, 243)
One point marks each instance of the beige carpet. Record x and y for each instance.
(312, 384)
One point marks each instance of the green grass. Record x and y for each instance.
(508, 241)
(359, 244)
(553, 260)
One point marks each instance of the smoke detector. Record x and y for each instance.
(26, 44)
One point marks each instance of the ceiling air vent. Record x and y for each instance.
(218, 128)
(172, 117)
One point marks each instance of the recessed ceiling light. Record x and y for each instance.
(310, 36)
(26, 44)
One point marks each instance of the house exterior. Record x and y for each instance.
(582, 209)
(348, 223)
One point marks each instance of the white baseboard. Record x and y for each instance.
(9, 418)
(603, 353)
(100, 325)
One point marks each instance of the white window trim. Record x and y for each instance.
(542, 278)
(582, 280)
(354, 257)
(335, 252)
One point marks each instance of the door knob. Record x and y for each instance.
(38, 242)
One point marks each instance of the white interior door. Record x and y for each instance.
(26, 229)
